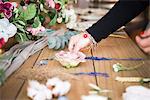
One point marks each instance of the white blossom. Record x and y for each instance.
(7, 29)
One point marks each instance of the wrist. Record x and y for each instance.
(88, 36)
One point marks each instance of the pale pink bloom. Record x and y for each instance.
(37, 30)
(51, 3)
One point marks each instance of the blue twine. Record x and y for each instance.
(92, 74)
(104, 58)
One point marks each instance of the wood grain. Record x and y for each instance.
(117, 48)
(79, 83)
(13, 85)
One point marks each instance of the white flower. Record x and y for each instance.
(60, 87)
(7, 29)
(70, 17)
(54, 87)
(37, 91)
(118, 67)
(59, 20)
(93, 97)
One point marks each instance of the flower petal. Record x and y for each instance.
(11, 30)
(8, 6)
(8, 13)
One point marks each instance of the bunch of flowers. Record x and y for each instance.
(26, 19)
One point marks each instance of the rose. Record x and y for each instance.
(58, 6)
(6, 8)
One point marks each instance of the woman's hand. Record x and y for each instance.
(79, 41)
(144, 41)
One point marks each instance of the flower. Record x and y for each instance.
(6, 8)
(7, 30)
(58, 6)
(29, 18)
(51, 3)
(37, 30)
(2, 42)
(118, 67)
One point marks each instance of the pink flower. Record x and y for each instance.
(51, 3)
(6, 8)
(35, 31)
(2, 42)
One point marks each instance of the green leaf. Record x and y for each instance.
(19, 27)
(21, 37)
(53, 20)
(21, 22)
(29, 13)
(36, 23)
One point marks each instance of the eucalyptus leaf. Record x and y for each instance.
(58, 43)
(51, 42)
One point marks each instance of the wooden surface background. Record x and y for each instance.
(16, 85)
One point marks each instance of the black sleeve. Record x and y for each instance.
(121, 13)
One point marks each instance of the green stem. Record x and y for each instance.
(135, 67)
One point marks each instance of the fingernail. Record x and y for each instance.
(141, 33)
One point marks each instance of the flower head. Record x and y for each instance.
(6, 8)
(2, 42)
(50, 3)
(35, 31)
(58, 6)
(7, 30)
(118, 67)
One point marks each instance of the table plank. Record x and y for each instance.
(13, 85)
(79, 83)
(117, 48)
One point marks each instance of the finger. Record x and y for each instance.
(143, 42)
(145, 33)
(77, 47)
(146, 50)
(71, 44)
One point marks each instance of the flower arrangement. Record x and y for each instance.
(26, 19)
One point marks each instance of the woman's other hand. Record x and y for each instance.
(144, 41)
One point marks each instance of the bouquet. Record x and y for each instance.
(24, 20)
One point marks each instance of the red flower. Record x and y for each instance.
(58, 6)
(27, 1)
(2, 42)
(6, 8)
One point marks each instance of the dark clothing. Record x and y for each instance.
(122, 12)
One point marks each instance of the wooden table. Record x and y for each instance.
(15, 88)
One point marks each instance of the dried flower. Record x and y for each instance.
(119, 67)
